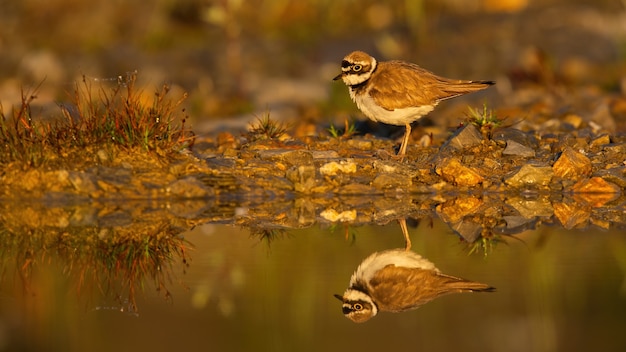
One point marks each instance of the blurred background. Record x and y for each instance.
(239, 58)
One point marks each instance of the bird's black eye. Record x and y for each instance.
(358, 306)
(357, 67)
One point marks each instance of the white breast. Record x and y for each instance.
(398, 117)
(397, 257)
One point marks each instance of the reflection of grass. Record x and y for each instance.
(119, 117)
(117, 263)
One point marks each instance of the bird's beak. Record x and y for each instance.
(338, 76)
(339, 297)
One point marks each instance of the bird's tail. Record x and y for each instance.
(462, 285)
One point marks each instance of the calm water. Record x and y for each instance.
(557, 290)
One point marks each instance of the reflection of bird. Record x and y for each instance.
(398, 92)
(397, 280)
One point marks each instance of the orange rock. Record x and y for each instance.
(595, 191)
(572, 164)
(453, 171)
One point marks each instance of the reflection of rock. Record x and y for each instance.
(531, 207)
(456, 209)
(398, 280)
(469, 229)
(571, 215)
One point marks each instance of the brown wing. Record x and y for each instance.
(399, 84)
(397, 289)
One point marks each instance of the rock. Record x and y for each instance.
(600, 141)
(290, 157)
(362, 144)
(324, 154)
(514, 134)
(189, 187)
(392, 180)
(464, 137)
(530, 175)
(572, 165)
(595, 185)
(332, 168)
(517, 149)
(453, 171)
(303, 178)
(574, 120)
(595, 191)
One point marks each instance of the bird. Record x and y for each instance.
(397, 92)
(398, 280)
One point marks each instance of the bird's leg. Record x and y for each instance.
(405, 141)
(405, 232)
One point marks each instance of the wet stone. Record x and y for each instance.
(572, 164)
(516, 149)
(530, 175)
(464, 137)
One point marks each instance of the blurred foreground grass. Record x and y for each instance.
(99, 119)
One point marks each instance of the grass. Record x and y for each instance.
(267, 129)
(348, 130)
(484, 119)
(120, 116)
